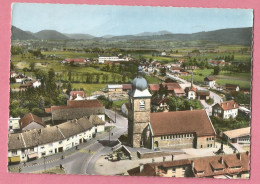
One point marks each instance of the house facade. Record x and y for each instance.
(225, 109)
(47, 141)
(14, 124)
(31, 121)
(210, 81)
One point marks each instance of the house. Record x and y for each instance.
(13, 124)
(112, 88)
(97, 123)
(210, 81)
(36, 83)
(112, 58)
(31, 121)
(126, 87)
(160, 104)
(38, 143)
(77, 95)
(232, 87)
(19, 79)
(76, 109)
(170, 87)
(191, 92)
(217, 62)
(77, 61)
(179, 92)
(163, 53)
(225, 109)
(175, 69)
(202, 94)
(150, 69)
(239, 136)
(236, 166)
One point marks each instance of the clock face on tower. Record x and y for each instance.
(141, 104)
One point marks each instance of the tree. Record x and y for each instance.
(163, 71)
(32, 66)
(61, 99)
(216, 70)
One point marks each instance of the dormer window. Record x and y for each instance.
(141, 105)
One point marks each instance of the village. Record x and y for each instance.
(160, 121)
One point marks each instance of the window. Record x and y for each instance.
(60, 142)
(14, 152)
(141, 105)
(173, 170)
(42, 147)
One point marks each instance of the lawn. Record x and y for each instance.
(159, 58)
(14, 86)
(152, 79)
(88, 88)
(70, 54)
(119, 103)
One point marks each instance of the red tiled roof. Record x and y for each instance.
(29, 118)
(203, 92)
(210, 78)
(127, 86)
(179, 91)
(79, 104)
(76, 60)
(228, 105)
(178, 122)
(171, 86)
(209, 165)
(74, 94)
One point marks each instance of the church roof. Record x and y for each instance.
(178, 122)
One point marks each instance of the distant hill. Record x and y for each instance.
(79, 36)
(18, 34)
(153, 33)
(225, 36)
(51, 35)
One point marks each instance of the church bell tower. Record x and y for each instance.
(139, 110)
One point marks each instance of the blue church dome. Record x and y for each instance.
(139, 83)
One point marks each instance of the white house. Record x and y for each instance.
(77, 95)
(115, 88)
(191, 92)
(36, 84)
(47, 141)
(14, 124)
(210, 81)
(112, 58)
(240, 136)
(226, 109)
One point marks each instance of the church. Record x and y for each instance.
(176, 129)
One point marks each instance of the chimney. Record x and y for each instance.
(234, 105)
(221, 160)
(239, 156)
(192, 165)
(141, 167)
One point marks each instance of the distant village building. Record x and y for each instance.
(239, 136)
(160, 104)
(177, 129)
(210, 81)
(191, 92)
(76, 61)
(14, 124)
(37, 143)
(217, 62)
(76, 109)
(126, 87)
(202, 94)
(36, 84)
(31, 121)
(232, 87)
(236, 166)
(171, 86)
(112, 88)
(225, 109)
(112, 58)
(163, 53)
(77, 95)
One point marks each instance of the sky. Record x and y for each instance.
(100, 20)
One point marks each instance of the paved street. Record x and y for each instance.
(81, 161)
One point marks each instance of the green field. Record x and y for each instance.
(70, 54)
(119, 103)
(88, 88)
(243, 79)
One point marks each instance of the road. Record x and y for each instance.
(214, 96)
(83, 160)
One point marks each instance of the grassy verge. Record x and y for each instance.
(54, 170)
(119, 103)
